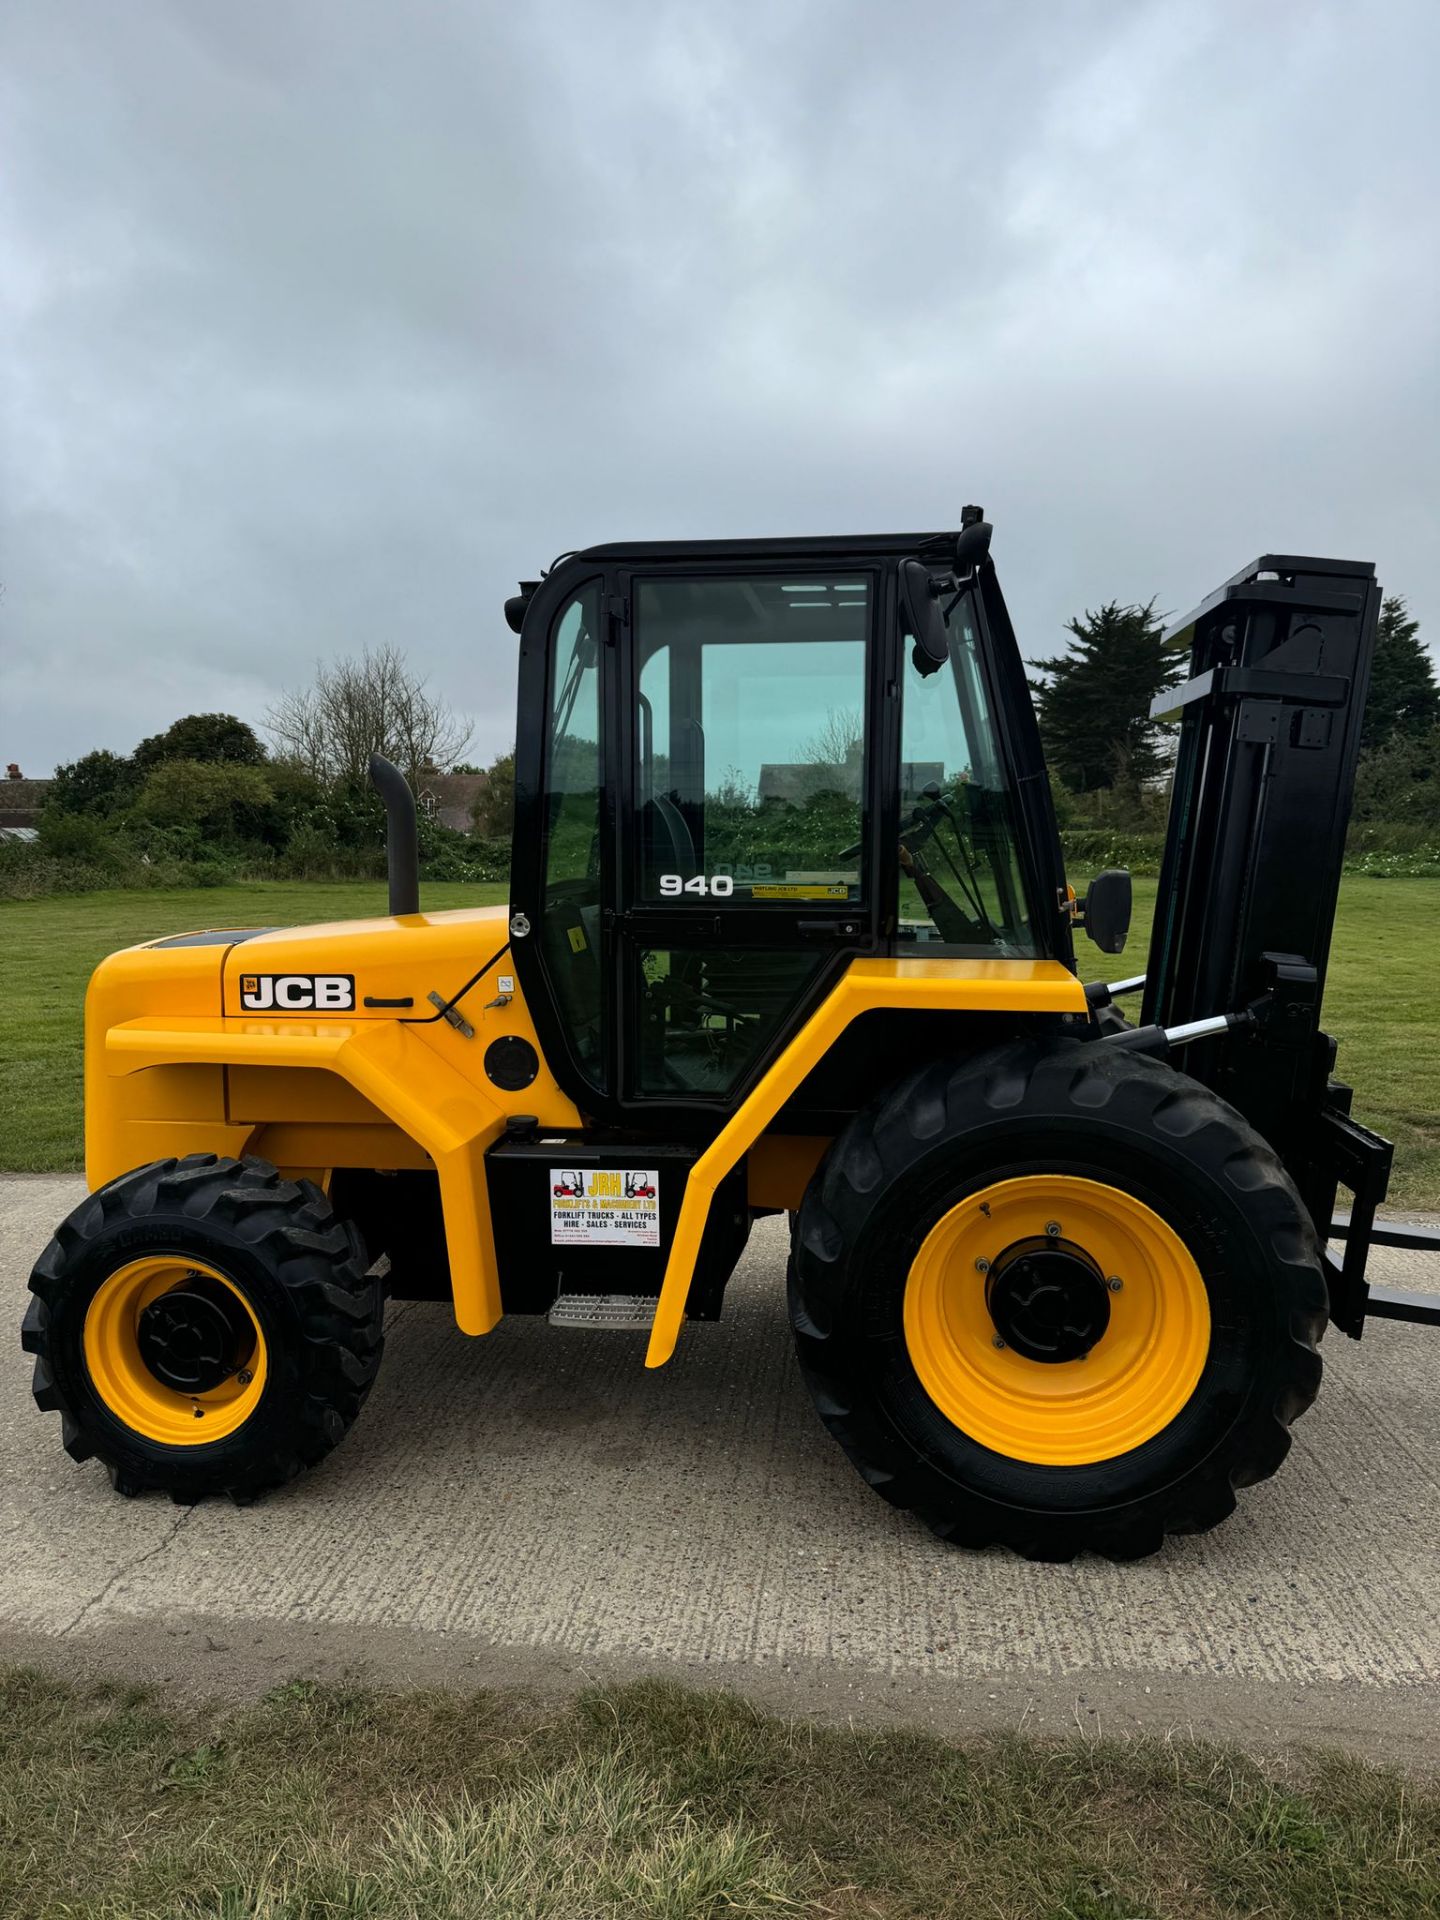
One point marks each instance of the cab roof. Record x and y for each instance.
(798, 546)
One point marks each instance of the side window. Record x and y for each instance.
(708, 1011)
(570, 930)
(960, 876)
(750, 738)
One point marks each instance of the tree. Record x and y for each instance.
(1094, 704)
(209, 737)
(834, 744)
(494, 809)
(98, 783)
(1404, 696)
(225, 801)
(354, 708)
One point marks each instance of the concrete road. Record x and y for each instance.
(535, 1507)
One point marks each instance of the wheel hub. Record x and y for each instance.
(195, 1336)
(1048, 1300)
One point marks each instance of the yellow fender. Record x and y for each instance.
(924, 986)
(399, 1069)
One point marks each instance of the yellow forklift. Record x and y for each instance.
(789, 932)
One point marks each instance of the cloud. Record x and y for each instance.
(323, 325)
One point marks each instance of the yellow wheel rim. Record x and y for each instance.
(136, 1397)
(1134, 1380)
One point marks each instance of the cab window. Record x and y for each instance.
(750, 738)
(961, 885)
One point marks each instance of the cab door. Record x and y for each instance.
(563, 866)
(747, 721)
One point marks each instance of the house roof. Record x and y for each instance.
(23, 798)
(450, 797)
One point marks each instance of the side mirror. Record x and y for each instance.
(517, 603)
(1105, 915)
(920, 598)
(973, 542)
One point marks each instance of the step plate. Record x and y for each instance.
(603, 1310)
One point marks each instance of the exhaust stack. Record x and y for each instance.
(402, 842)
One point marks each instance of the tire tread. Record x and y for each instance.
(317, 1259)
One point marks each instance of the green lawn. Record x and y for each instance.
(1381, 1002)
(654, 1803)
(1380, 999)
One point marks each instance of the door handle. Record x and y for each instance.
(829, 929)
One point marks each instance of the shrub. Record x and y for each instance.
(297, 803)
(448, 855)
(27, 872)
(1398, 785)
(312, 853)
(80, 837)
(223, 800)
(1091, 850)
(1417, 863)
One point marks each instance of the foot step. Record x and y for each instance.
(603, 1310)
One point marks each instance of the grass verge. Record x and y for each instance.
(656, 1801)
(1380, 998)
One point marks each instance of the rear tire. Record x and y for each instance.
(899, 1213)
(303, 1321)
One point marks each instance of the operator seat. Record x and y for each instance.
(666, 843)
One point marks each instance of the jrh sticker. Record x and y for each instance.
(604, 1207)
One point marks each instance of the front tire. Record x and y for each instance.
(203, 1326)
(1058, 1298)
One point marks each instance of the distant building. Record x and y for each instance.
(449, 797)
(795, 783)
(21, 799)
(918, 775)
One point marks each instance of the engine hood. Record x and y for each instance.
(382, 969)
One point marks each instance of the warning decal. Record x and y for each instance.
(604, 1207)
(801, 890)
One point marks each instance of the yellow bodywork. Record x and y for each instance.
(167, 1073)
(173, 1066)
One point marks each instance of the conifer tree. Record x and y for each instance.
(1094, 702)
(1404, 696)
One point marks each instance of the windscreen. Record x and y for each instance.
(960, 880)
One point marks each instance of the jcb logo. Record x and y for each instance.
(297, 992)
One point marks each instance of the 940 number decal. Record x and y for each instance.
(719, 886)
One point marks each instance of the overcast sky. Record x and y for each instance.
(325, 322)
